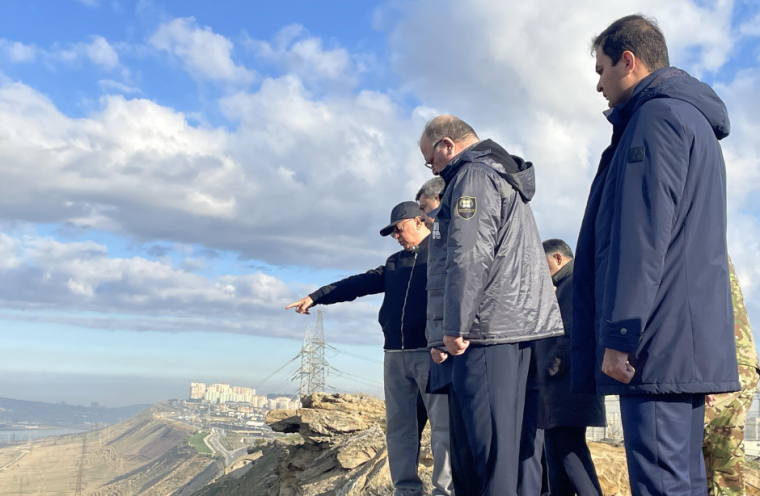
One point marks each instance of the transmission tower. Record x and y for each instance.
(305, 371)
(318, 361)
(313, 363)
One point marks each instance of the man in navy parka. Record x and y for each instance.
(652, 303)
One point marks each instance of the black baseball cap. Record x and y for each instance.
(404, 210)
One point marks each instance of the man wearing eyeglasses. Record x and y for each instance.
(489, 296)
(402, 316)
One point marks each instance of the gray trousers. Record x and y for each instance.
(405, 376)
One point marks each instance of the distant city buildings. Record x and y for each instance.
(220, 394)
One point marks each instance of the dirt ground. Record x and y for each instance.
(127, 458)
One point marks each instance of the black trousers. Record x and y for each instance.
(486, 402)
(568, 460)
(663, 443)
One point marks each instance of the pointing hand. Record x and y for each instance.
(302, 306)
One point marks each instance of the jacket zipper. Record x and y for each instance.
(403, 309)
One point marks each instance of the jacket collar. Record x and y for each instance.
(563, 273)
(468, 155)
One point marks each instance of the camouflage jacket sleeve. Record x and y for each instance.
(746, 352)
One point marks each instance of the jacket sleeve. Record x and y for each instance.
(650, 183)
(351, 288)
(470, 248)
(562, 345)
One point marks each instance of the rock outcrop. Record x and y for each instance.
(337, 447)
(343, 449)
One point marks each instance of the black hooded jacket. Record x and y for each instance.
(402, 279)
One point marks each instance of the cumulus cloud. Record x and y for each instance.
(308, 176)
(742, 154)
(97, 50)
(102, 53)
(272, 190)
(59, 281)
(294, 51)
(204, 54)
(15, 51)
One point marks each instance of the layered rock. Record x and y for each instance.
(340, 450)
(343, 450)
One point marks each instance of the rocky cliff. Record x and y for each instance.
(337, 447)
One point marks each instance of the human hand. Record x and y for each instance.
(554, 367)
(615, 365)
(710, 400)
(438, 355)
(455, 344)
(302, 306)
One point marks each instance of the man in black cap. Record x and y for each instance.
(403, 316)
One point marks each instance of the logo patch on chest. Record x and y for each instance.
(636, 154)
(467, 206)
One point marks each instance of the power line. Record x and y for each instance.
(368, 382)
(354, 355)
(276, 371)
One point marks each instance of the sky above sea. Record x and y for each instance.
(174, 173)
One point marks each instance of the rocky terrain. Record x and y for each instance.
(337, 448)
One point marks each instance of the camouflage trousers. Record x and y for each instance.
(723, 445)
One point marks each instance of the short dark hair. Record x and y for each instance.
(637, 34)
(431, 189)
(552, 246)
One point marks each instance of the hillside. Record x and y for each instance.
(36, 412)
(146, 454)
(341, 451)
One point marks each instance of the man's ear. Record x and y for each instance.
(448, 145)
(558, 258)
(630, 60)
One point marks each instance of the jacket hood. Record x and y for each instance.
(670, 82)
(516, 171)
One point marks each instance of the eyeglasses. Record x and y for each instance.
(397, 229)
(429, 162)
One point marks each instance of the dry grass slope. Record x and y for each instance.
(145, 455)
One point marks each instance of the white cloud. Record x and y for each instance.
(751, 27)
(15, 51)
(8, 252)
(97, 50)
(108, 84)
(308, 175)
(102, 53)
(296, 52)
(205, 54)
(59, 281)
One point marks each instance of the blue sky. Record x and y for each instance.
(172, 174)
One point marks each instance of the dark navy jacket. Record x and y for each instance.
(651, 266)
(403, 313)
(558, 406)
